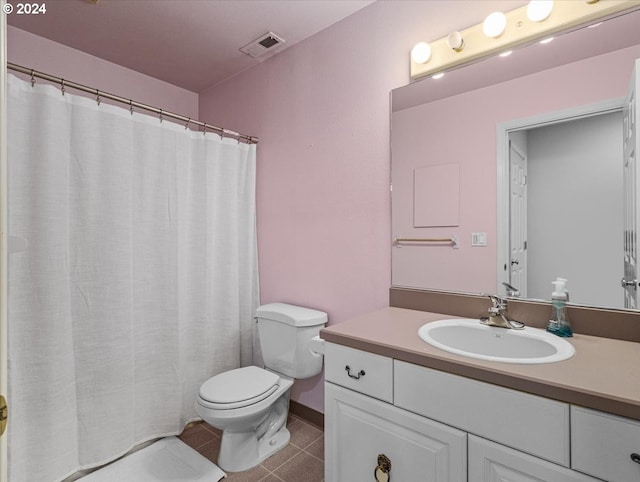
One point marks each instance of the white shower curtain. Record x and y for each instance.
(139, 279)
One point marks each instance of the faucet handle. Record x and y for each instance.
(511, 290)
(498, 304)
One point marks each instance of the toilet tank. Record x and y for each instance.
(285, 334)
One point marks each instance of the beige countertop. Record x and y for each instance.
(604, 374)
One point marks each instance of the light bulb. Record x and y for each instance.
(539, 10)
(438, 75)
(494, 24)
(421, 53)
(455, 41)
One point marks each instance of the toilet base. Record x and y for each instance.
(241, 451)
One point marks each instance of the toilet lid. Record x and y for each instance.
(250, 384)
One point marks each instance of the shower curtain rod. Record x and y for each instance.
(132, 104)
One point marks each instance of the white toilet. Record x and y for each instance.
(250, 405)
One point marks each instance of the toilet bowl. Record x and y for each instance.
(251, 404)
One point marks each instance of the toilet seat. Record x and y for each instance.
(238, 388)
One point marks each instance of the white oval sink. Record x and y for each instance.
(468, 337)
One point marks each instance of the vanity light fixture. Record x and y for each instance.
(546, 41)
(594, 25)
(506, 54)
(455, 41)
(504, 31)
(495, 24)
(539, 10)
(421, 53)
(437, 76)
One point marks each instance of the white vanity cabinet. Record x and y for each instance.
(360, 427)
(435, 426)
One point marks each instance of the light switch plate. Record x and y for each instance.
(478, 239)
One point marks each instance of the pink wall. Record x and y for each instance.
(462, 129)
(321, 110)
(33, 52)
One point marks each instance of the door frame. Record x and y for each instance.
(3, 233)
(503, 129)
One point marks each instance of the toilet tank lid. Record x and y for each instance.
(291, 314)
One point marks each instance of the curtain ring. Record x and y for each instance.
(131, 106)
(204, 129)
(33, 78)
(160, 117)
(98, 100)
(62, 86)
(186, 126)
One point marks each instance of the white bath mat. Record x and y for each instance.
(166, 460)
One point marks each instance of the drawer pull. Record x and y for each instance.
(636, 458)
(357, 377)
(381, 472)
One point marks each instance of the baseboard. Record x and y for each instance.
(309, 414)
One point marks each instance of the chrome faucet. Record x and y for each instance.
(498, 315)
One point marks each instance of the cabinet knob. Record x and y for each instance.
(381, 473)
(636, 458)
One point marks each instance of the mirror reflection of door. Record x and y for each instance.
(631, 175)
(574, 222)
(518, 217)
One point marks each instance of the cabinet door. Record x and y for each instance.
(358, 429)
(602, 445)
(491, 462)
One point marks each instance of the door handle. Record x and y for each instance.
(514, 261)
(381, 472)
(624, 283)
(4, 414)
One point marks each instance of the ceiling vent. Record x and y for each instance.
(262, 45)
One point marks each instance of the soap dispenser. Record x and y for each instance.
(558, 322)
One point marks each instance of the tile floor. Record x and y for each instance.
(300, 461)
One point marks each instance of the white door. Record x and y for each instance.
(631, 142)
(518, 219)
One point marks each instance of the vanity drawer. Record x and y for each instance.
(531, 424)
(602, 444)
(367, 373)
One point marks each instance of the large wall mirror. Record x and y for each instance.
(458, 145)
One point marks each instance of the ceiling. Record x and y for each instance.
(193, 44)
